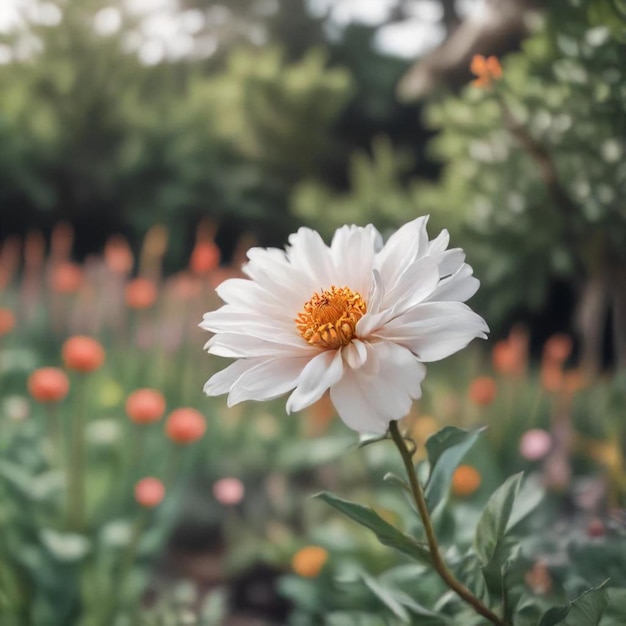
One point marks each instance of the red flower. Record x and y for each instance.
(7, 321)
(149, 492)
(82, 354)
(145, 406)
(48, 384)
(558, 348)
(204, 258)
(66, 278)
(483, 390)
(141, 293)
(185, 425)
(117, 255)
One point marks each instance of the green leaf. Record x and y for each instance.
(495, 518)
(446, 450)
(495, 571)
(387, 534)
(386, 596)
(528, 499)
(585, 610)
(65, 546)
(401, 604)
(394, 479)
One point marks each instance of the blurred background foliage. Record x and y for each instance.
(271, 113)
(254, 117)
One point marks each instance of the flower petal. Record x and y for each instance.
(309, 253)
(402, 248)
(461, 286)
(318, 375)
(368, 403)
(267, 380)
(353, 249)
(354, 354)
(237, 345)
(414, 285)
(435, 330)
(222, 381)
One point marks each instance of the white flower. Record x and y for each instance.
(357, 317)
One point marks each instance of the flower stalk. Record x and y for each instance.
(76, 461)
(438, 563)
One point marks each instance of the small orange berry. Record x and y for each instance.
(185, 425)
(141, 293)
(82, 354)
(149, 492)
(48, 384)
(66, 278)
(483, 390)
(145, 406)
(309, 561)
(7, 321)
(465, 480)
(204, 258)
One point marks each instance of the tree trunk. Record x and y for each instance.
(618, 301)
(590, 321)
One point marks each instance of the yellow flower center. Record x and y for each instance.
(329, 318)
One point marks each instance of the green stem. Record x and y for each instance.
(76, 462)
(126, 566)
(438, 563)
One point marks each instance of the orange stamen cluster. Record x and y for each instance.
(487, 69)
(329, 318)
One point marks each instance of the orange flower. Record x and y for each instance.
(309, 561)
(465, 480)
(117, 255)
(185, 425)
(145, 406)
(204, 258)
(483, 390)
(487, 69)
(558, 348)
(82, 354)
(48, 384)
(509, 355)
(141, 293)
(149, 492)
(7, 321)
(66, 278)
(551, 377)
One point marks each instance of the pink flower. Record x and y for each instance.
(535, 444)
(228, 491)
